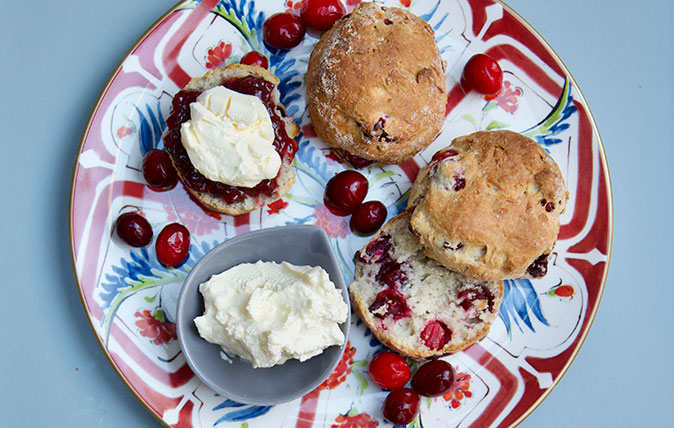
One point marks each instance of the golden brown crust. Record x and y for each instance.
(286, 177)
(497, 224)
(376, 84)
(386, 336)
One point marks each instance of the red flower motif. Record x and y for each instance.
(155, 327)
(459, 391)
(334, 226)
(341, 371)
(293, 7)
(405, 3)
(276, 206)
(124, 131)
(360, 420)
(217, 55)
(507, 98)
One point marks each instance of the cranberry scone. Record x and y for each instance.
(230, 140)
(376, 85)
(412, 303)
(488, 206)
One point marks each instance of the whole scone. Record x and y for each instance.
(412, 303)
(488, 206)
(376, 84)
(220, 197)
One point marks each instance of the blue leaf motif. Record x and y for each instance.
(532, 300)
(141, 266)
(228, 403)
(554, 124)
(151, 127)
(427, 16)
(313, 162)
(243, 414)
(519, 299)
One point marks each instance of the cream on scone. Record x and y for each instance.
(230, 140)
(412, 303)
(376, 85)
(488, 206)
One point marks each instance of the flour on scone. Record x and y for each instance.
(488, 206)
(376, 85)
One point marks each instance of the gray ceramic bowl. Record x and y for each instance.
(238, 380)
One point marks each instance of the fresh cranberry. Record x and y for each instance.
(549, 206)
(158, 170)
(376, 251)
(283, 30)
(255, 58)
(443, 154)
(401, 406)
(389, 303)
(434, 378)
(321, 14)
(459, 181)
(391, 274)
(368, 217)
(483, 74)
(436, 334)
(133, 229)
(345, 191)
(539, 267)
(173, 244)
(469, 295)
(389, 370)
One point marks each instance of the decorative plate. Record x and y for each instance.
(130, 298)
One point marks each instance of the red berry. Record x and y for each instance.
(444, 154)
(389, 370)
(376, 251)
(345, 191)
(434, 378)
(483, 74)
(283, 30)
(401, 406)
(321, 14)
(436, 334)
(173, 244)
(255, 58)
(133, 229)
(368, 217)
(158, 170)
(389, 303)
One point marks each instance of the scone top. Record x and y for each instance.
(488, 206)
(376, 84)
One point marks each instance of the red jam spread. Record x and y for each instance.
(285, 146)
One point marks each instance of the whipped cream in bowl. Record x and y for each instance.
(263, 318)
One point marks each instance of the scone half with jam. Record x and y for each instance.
(230, 140)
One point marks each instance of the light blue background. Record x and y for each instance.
(57, 56)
